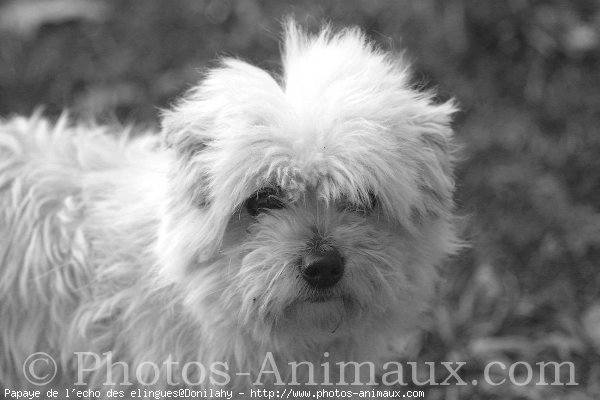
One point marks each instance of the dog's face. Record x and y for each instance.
(314, 202)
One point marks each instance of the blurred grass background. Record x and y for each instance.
(527, 75)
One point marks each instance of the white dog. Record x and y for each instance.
(276, 220)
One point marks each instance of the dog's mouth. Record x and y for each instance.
(323, 310)
(312, 295)
(320, 298)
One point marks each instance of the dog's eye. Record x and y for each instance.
(364, 208)
(372, 200)
(268, 198)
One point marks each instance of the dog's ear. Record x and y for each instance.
(200, 134)
(436, 181)
(228, 99)
(186, 128)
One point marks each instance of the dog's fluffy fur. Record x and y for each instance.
(141, 244)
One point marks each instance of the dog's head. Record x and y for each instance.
(319, 197)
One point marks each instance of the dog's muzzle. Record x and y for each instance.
(323, 269)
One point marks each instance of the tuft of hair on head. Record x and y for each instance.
(347, 77)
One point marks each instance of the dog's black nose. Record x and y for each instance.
(323, 269)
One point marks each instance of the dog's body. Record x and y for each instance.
(302, 219)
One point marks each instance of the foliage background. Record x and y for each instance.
(527, 75)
